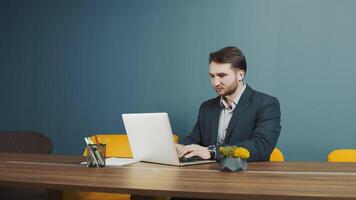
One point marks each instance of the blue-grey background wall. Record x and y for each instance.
(71, 68)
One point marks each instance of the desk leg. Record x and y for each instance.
(55, 194)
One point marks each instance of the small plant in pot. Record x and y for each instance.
(233, 158)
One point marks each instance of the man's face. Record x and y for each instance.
(224, 79)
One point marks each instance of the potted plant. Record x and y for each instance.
(233, 158)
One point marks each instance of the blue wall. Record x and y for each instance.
(71, 68)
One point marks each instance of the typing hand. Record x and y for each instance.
(189, 151)
(179, 147)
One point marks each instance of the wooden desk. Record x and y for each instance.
(263, 180)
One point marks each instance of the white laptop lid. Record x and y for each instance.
(150, 137)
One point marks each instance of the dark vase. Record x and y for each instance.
(233, 164)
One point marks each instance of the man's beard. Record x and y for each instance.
(229, 90)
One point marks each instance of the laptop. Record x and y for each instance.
(151, 139)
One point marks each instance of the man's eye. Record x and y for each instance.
(221, 75)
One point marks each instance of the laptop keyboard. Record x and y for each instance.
(194, 158)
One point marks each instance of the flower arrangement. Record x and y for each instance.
(234, 152)
(233, 158)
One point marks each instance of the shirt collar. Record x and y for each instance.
(224, 104)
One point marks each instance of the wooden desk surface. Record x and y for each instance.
(262, 180)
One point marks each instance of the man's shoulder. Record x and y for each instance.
(262, 97)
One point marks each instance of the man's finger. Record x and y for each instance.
(191, 154)
(179, 147)
(184, 151)
(187, 149)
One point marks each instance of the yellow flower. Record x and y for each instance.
(234, 152)
(242, 153)
(222, 151)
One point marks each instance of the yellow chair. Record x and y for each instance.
(342, 155)
(117, 145)
(276, 155)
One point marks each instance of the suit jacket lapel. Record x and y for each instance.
(239, 111)
(215, 116)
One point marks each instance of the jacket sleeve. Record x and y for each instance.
(266, 132)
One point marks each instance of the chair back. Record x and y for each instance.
(117, 145)
(25, 142)
(276, 155)
(342, 155)
(29, 142)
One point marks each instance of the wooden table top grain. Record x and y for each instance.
(262, 180)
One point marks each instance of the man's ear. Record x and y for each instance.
(240, 75)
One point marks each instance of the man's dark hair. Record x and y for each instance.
(231, 55)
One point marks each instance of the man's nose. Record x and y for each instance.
(216, 82)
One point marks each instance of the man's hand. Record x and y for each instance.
(191, 150)
(179, 147)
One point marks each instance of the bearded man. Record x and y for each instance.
(238, 116)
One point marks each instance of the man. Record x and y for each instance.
(239, 116)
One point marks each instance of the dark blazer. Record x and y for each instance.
(255, 124)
